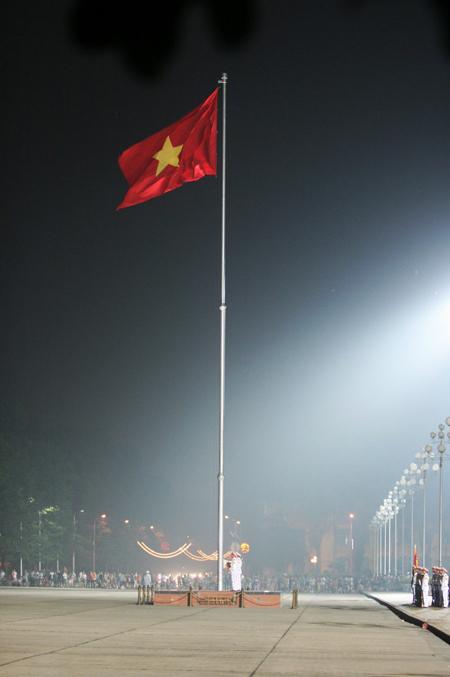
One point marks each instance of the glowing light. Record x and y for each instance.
(164, 555)
(182, 550)
(195, 558)
(212, 556)
(202, 557)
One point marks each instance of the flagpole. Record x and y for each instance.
(223, 312)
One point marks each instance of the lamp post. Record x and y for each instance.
(379, 523)
(373, 547)
(395, 509)
(383, 512)
(235, 531)
(402, 495)
(74, 531)
(102, 516)
(385, 570)
(44, 512)
(377, 546)
(424, 455)
(411, 489)
(389, 514)
(351, 517)
(441, 449)
(376, 541)
(21, 547)
(39, 540)
(74, 534)
(381, 542)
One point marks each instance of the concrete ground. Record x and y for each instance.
(438, 618)
(90, 633)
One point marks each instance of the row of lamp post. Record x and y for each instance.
(75, 521)
(41, 528)
(414, 476)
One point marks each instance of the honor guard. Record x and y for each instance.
(234, 565)
(444, 587)
(425, 587)
(417, 587)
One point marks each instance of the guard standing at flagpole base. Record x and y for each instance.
(234, 564)
(236, 572)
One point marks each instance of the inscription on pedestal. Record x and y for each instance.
(212, 598)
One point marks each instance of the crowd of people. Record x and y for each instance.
(67, 579)
(122, 580)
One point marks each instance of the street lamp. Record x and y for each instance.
(424, 456)
(411, 482)
(376, 529)
(235, 531)
(43, 511)
(103, 517)
(39, 540)
(372, 546)
(21, 547)
(395, 510)
(441, 449)
(402, 504)
(384, 519)
(351, 517)
(74, 534)
(388, 503)
(379, 522)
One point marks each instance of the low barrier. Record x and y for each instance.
(227, 598)
(145, 594)
(171, 598)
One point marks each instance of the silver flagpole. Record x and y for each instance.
(223, 312)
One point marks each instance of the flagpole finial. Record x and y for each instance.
(223, 79)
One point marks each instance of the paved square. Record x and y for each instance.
(59, 633)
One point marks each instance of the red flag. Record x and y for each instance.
(184, 151)
(415, 558)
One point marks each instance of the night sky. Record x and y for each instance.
(338, 235)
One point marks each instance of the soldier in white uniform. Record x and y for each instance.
(425, 588)
(236, 571)
(444, 584)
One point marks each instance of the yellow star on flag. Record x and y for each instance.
(168, 155)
